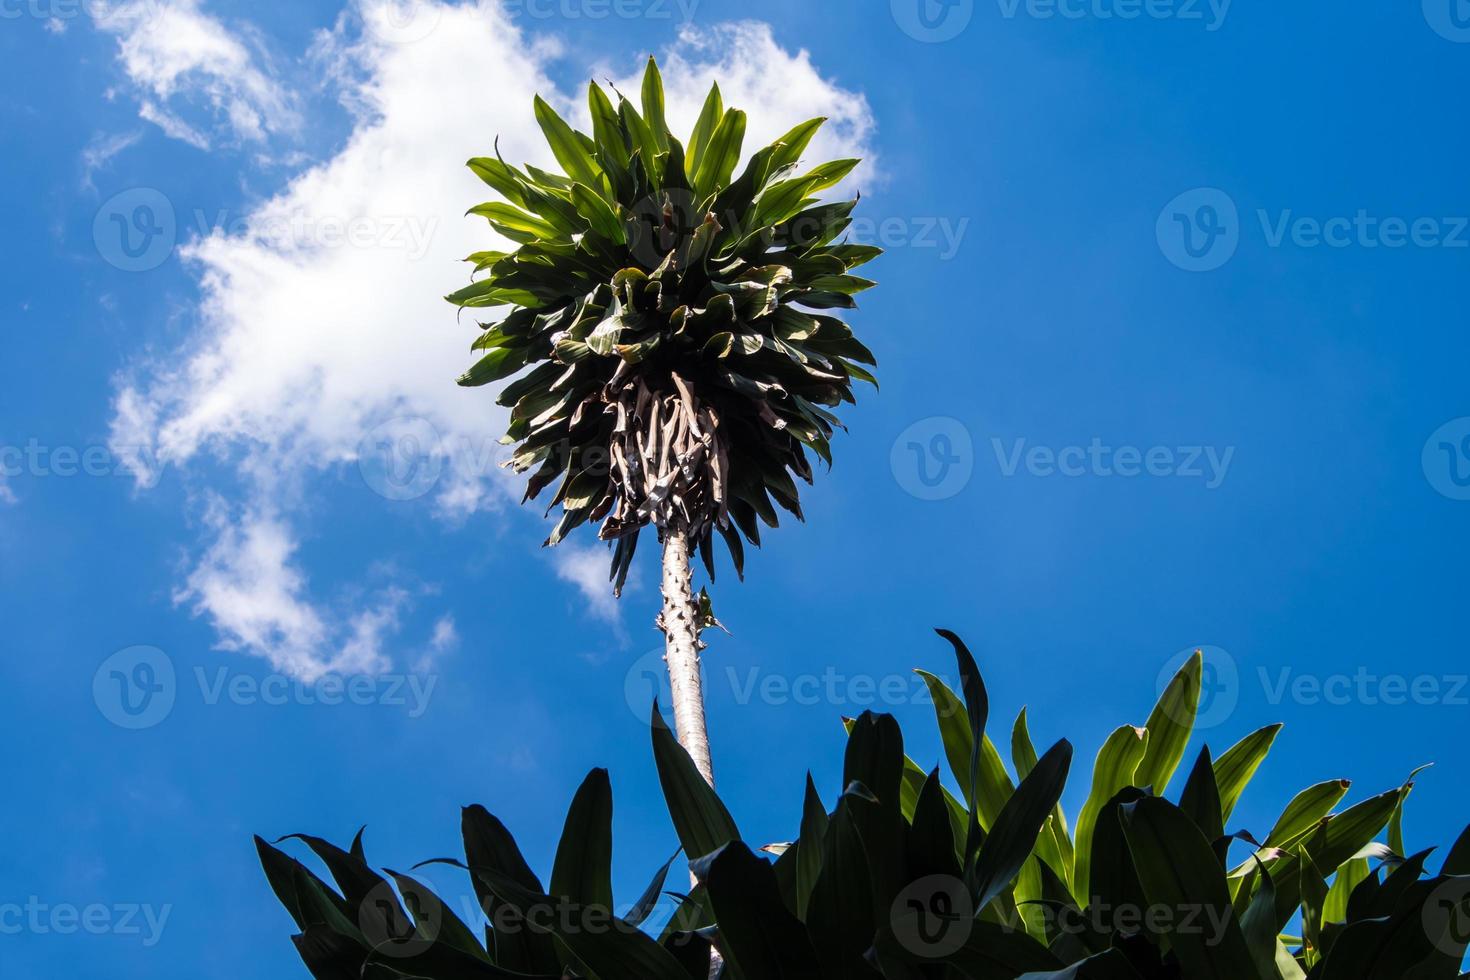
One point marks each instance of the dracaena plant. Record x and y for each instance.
(906, 879)
(668, 322)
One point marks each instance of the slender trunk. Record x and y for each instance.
(679, 622)
(681, 652)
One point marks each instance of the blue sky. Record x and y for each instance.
(1172, 340)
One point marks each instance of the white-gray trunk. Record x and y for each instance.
(679, 621)
(681, 652)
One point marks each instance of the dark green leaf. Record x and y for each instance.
(1180, 874)
(583, 868)
(701, 820)
(1013, 837)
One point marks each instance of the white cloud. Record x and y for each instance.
(173, 127)
(306, 342)
(445, 637)
(443, 640)
(7, 495)
(586, 567)
(99, 153)
(177, 54)
(256, 599)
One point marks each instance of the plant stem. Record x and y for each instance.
(681, 652)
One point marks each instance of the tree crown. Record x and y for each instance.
(674, 327)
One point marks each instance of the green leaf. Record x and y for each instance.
(1258, 927)
(569, 151)
(1169, 726)
(500, 363)
(1313, 890)
(501, 176)
(809, 846)
(841, 283)
(363, 888)
(1349, 876)
(653, 104)
(785, 198)
(977, 711)
(583, 868)
(874, 757)
(995, 785)
(704, 129)
(1180, 873)
(645, 145)
(1234, 769)
(510, 220)
(787, 151)
(1055, 846)
(759, 937)
(608, 946)
(840, 913)
(1200, 800)
(1305, 811)
(607, 335)
(601, 217)
(488, 845)
(1388, 947)
(720, 157)
(605, 129)
(280, 871)
(487, 293)
(915, 783)
(700, 819)
(930, 848)
(648, 901)
(1337, 840)
(1014, 835)
(1113, 881)
(1350, 831)
(1117, 762)
(434, 920)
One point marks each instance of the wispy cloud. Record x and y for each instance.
(586, 568)
(100, 152)
(173, 127)
(443, 640)
(180, 58)
(256, 597)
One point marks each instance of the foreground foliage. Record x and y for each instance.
(904, 879)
